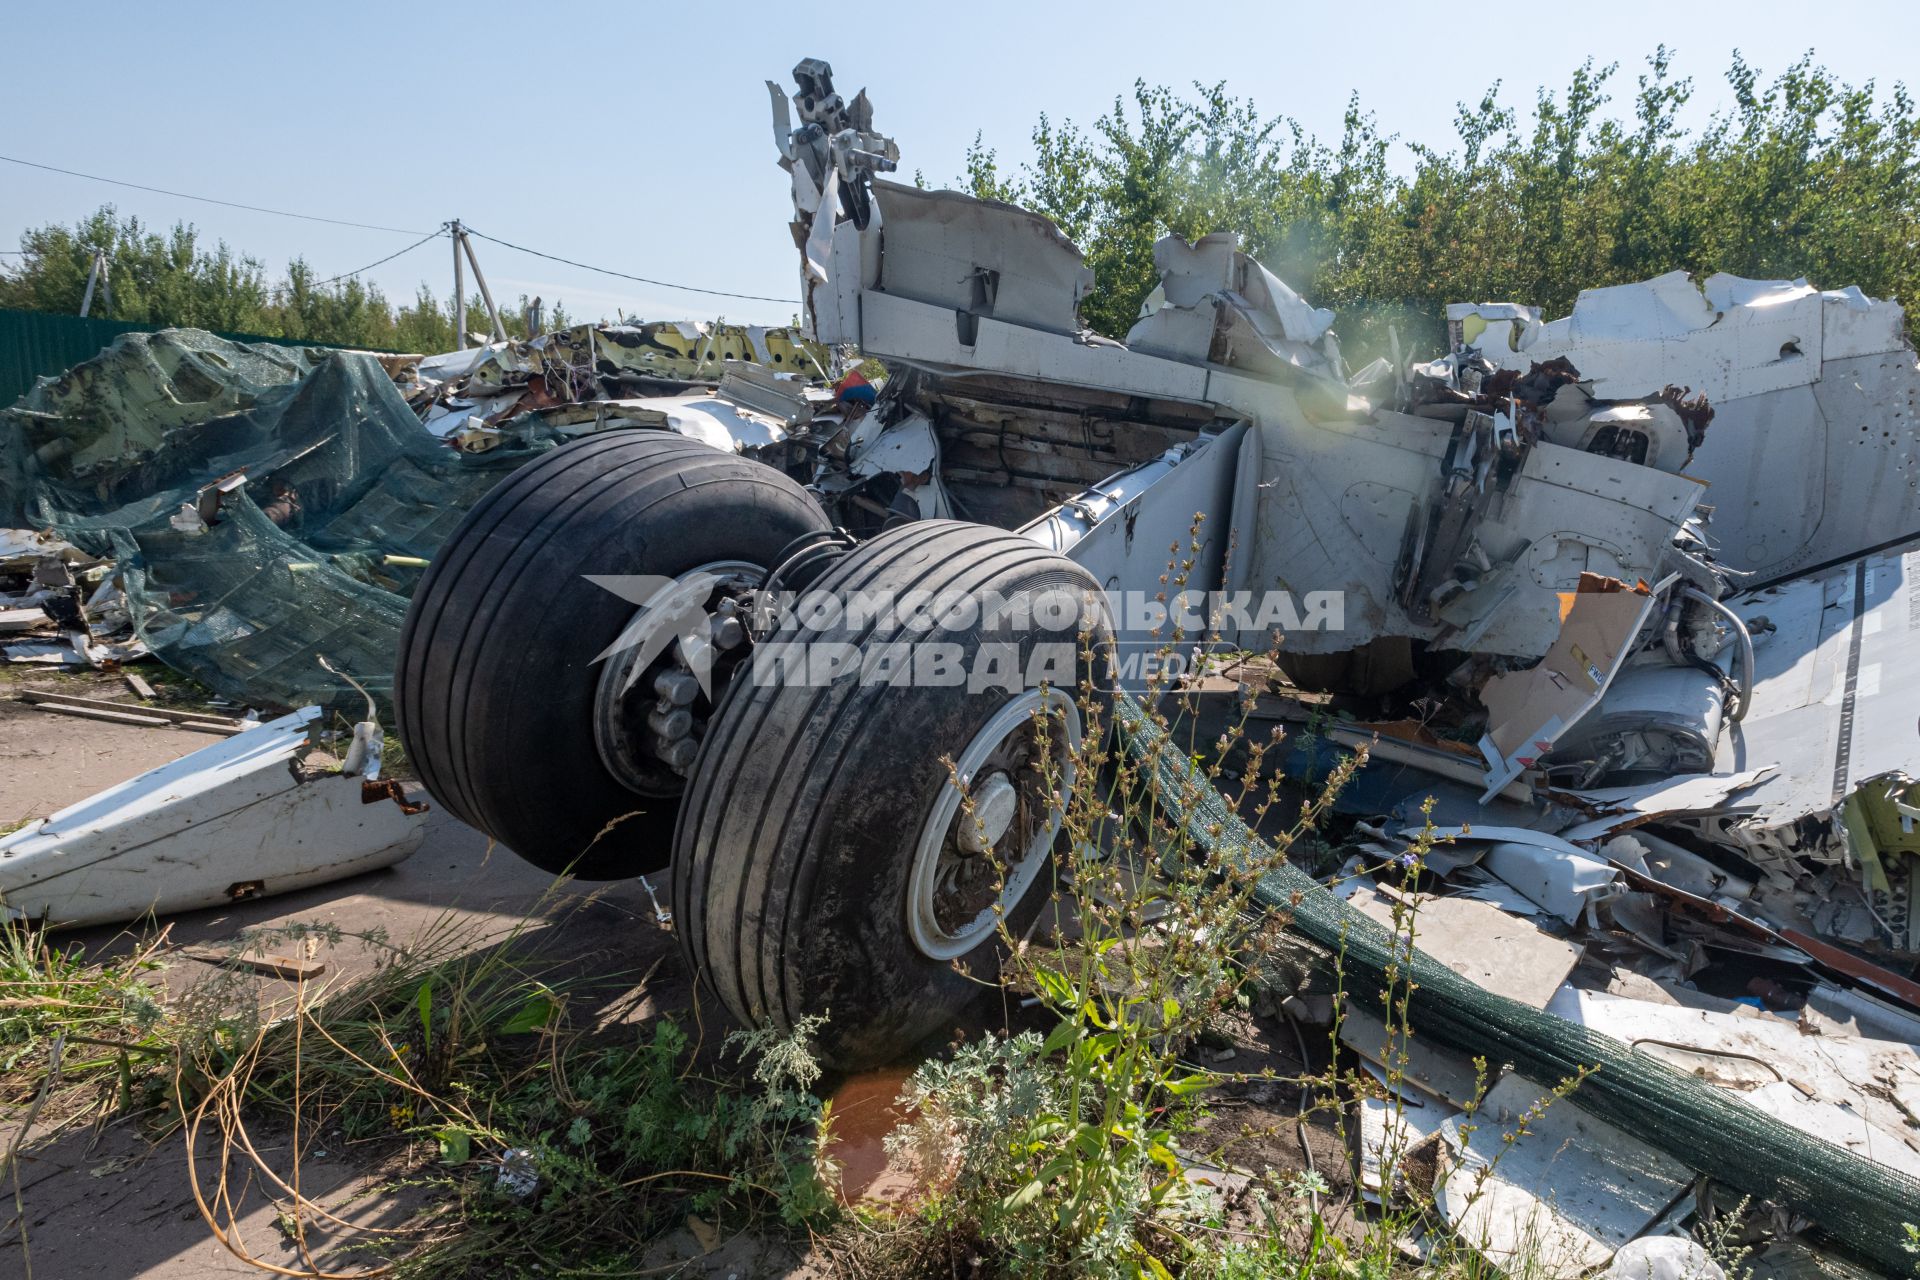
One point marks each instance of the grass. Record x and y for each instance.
(540, 1134)
(467, 1068)
(96, 1018)
(540, 1146)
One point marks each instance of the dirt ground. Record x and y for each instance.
(110, 1205)
(48, 761)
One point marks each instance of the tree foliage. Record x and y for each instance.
(174, 278)
(1802, 176)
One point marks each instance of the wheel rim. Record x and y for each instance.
(645, 745)
(951, 897)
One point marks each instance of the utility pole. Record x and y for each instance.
(486, 294)
(459, 289)
(100, 273)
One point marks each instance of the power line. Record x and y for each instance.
(369, 226)
(664, 284)
(433, 235)
(181, 195)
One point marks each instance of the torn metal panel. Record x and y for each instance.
(1618, 808)
(1836, 692)
(480, 399)
(1814, 394)
(1529, 711)
(1633, 339)
(1489, 326)
(1215, 304)
(1337, 508)
(711, 419)
(244, 817)
(591, 360)
(1561, 1197)
(1433, 1071)
(1876, 1080)
(1547, 870)
(1672, 864)
(1121, 532)
(1837, 1124)
(1508, 956)
(1561, 882)
(1835, 699)
(978, 258)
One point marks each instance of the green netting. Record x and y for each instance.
(340, 477)
(1862, 1204)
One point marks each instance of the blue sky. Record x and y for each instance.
(636, 136)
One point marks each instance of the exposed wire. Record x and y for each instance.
(664, 284)
(434, 235)
(231, 204)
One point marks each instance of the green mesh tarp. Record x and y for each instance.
(42, 344)
(1861, 1204)
(340, 479)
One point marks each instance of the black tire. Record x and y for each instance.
(794, 853)
(495, 682)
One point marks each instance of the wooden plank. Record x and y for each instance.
(291, 968)
(139, 717)
(139, 686)
(187, 718)
(112, 717)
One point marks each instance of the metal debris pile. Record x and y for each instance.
(596, 376)
(1625, 592)
(1690, 826)
(59, 606)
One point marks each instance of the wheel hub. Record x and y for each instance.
(664, 675)
(984, 843)
(995, 801)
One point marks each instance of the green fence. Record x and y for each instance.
(39, 344)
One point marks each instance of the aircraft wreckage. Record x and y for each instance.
(1626, 593)
(1647, 559)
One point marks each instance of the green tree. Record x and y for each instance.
(1804, 176)
(174, 279)
(155, 278)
